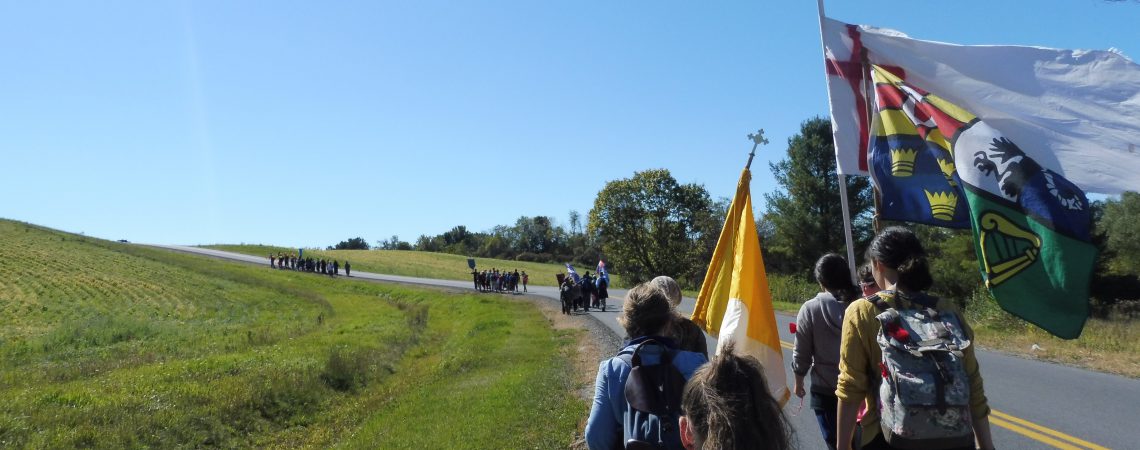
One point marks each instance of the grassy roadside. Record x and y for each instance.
(115, 346)
(1111, 346)
(417, 264)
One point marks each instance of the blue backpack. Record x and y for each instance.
(653, 399)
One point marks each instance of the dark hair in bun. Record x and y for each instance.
(832, 273)
(898, 248)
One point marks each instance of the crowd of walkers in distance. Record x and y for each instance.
(495, 281)
(663, 391)
(308, 264)
(582, 294)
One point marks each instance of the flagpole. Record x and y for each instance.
(757, 139)
(850, 241)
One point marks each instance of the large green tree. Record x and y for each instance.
(537, 234)
(804, 218)
(356, 243)
(652, 225)
(1119, 224)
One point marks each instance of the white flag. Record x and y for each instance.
(1075, 111)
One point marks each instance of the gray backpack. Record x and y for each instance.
(924, 397)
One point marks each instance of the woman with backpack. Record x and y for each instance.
(818, 333)
(651, 416)
(922, 389)
(727, 405)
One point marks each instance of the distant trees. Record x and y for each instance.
(356, 243)
(1116, 279)
(393, 243)
(652, 225)
(1121, 225)
(804, 218)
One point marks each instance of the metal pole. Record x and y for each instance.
(842, 178)
(757, 139)
(847, 226)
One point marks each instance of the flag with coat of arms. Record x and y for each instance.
(1004, 140)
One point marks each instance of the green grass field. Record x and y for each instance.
(441, 266)
(110, 345)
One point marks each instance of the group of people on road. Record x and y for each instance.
(583, 293)
(495, 281)
(690, 402)
(308, 264)
(890, 367)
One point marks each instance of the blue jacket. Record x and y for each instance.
(604, 428)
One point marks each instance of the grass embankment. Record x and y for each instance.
(1111, 345)
(114, 346)
(441, 266)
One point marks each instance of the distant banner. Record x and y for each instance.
(573, 274)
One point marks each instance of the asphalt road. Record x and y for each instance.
(1036, 404)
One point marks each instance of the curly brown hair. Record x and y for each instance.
(645, 312)
(729, 406)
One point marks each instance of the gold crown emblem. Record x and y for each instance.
(947, 166)
(902, 162)
(942, 204)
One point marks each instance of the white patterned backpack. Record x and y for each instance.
(924, 396)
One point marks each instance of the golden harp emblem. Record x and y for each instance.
(1006, 248)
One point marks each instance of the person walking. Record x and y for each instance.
(688, 335)
(564, 293)
(525, 280)
(727, 405)
(645, 316)
(899, 266)
(347, 269)
(819, 326)
(867, 282)
(602, 291)
(588, 291)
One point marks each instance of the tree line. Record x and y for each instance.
(535, 239)
(650, 224)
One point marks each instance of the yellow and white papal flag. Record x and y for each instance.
(735, 303)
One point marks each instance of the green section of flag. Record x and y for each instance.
(1033, 272)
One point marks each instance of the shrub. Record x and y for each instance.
(286, 395)
(791, 288)
(531, 257)
(350, 369)
(982, 310)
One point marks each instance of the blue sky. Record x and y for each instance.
(306, 123)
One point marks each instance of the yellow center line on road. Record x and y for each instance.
(1032, 434)
(1025, 423)
(1027, 428)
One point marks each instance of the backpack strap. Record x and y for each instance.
(627, 358)
(878, 301)
(666, 356)
(633, 358)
